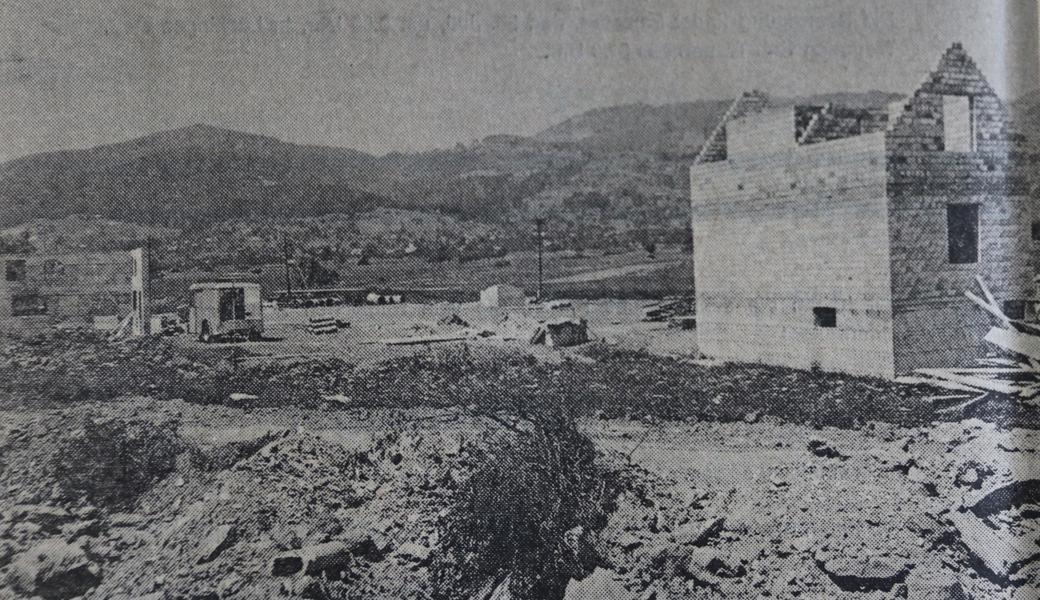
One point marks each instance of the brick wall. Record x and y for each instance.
(920, 126)
(860, 224)
(781, 232)
(715, 147)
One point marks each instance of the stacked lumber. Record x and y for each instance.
(322, 325)
(668, 310)
(428, 339)
(1017, 377)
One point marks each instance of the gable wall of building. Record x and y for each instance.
(935, 325)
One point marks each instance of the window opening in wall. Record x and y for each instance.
(232, 304)
(28, 304)
(958, 124)
(1035, 229)
(962, 231)
(15, 270)
(825, 316)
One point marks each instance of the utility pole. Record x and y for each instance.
(288, 278)
(539, 223)
(146, 300)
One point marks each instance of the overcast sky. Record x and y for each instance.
(419, 74)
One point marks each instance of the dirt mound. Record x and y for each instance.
(230, 517)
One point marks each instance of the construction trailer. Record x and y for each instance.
(105, 290)
(221, 310)
(842, 238)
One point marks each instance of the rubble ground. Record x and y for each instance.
(51, 371)
(711, 510)
(319, 479)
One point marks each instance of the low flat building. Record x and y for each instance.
(503, 295)
(40, 291)
(843, 238)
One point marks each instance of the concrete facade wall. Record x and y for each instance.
(760, 133)
(777, 233)
(74, 288)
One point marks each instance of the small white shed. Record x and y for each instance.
(503, 295)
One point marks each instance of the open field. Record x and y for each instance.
(617, 323)
(629, 274)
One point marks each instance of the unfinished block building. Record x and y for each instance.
(844, 238)
(91, 289)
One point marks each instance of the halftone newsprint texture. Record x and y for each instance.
(519, 299)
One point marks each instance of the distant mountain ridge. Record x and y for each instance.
(189, 177)
(677, 127)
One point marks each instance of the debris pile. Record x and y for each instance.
(284, 514)
(560, 333)
(949, 511)
(362, 506)
(1018, 377)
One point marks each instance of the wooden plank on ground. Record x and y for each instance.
(1002, 552)
(990, 308)
(980, 383)
(939, 383)
(985, 290)
(963, 406)
(428, 339)
(1001, 362)
(991, 370)
(1013, 341)
(1030, 390)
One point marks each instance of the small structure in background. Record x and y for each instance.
(380, 299)
(503, 295)
(561, 333)
(104, 289)
(225, 309)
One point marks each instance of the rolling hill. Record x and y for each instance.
(614, 168)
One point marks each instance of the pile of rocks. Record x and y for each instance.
(288, 513)
(956, 515)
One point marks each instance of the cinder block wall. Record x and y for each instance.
(934, 324)
(761, 133)
(780, 233)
